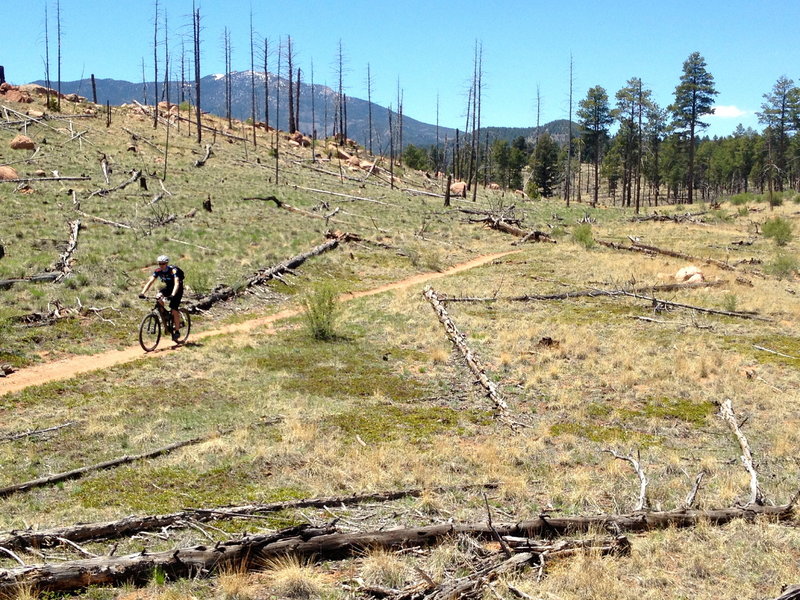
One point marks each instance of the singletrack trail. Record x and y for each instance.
(75, 365)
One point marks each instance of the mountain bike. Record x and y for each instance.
(160, 319)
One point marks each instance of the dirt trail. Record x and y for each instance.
(75, 365)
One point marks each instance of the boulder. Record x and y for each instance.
(689, 274)
(458, 188)
(18, 96)
(33, 88)
(4, 87)
(354, 161)
(22, 142)
(7, 173)
(36, 114)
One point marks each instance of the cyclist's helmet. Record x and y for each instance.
(163, 259)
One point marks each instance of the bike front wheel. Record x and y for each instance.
(150, 332)
(186, 325)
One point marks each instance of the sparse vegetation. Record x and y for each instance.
(383, 404)
(778, 229)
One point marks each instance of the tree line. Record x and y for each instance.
(654, 155)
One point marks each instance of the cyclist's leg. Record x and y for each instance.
(174, 304)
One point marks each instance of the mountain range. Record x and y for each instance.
(212, 91)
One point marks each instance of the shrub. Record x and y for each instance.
(739, 199)
(582, 235)
(783, 266)
(321, 310)
(779, 229)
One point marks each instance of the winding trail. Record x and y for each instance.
(75, 365)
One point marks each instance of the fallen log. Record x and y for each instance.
(684, 218)
(790, 592)
(80, 472)
(322, 544)
(659, 302)
(349, 196)
(40, 278)
(652, 250)
(85, 532)
(16, 436)
(29, 179)
(135, 176)
(505, 227)
(726, 412)
(459, 341)
(226, 292)
(591, 293)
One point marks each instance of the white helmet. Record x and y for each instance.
(163, 259)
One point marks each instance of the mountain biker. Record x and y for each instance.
(172, 278)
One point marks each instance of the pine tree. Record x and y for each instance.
(694, 98)
(779, 115)
(595, 118)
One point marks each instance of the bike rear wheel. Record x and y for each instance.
(150, 332)
(186, 325)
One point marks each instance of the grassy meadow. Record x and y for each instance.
(385, 403)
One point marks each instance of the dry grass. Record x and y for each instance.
(388, 405)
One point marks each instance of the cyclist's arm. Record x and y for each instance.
(176, 284)
(148, 284)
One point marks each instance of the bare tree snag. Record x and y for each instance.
(459, 341)
(637, 247)
(63, 266)
(80, 472)
(643, 502)
(726, 412)
(85, 532)
(202, 161)
(692, 496)
(227, 292)
(322, 544)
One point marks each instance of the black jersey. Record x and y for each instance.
(169, 276)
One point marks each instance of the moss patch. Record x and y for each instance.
(335, 369)
(696, 414)
(602, 434)
(417, 424)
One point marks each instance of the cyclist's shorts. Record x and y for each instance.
(175, 301)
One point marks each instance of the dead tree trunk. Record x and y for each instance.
(459, 341)
(85, 532)
(227, 292)
(636, 247)
(63, 266)
(726, 412)
(323, 544)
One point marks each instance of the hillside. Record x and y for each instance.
(491, 411)
(212, 90)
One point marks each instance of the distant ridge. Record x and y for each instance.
(212, 89)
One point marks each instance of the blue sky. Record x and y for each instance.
(428, 46)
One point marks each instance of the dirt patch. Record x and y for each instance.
(75, 365)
